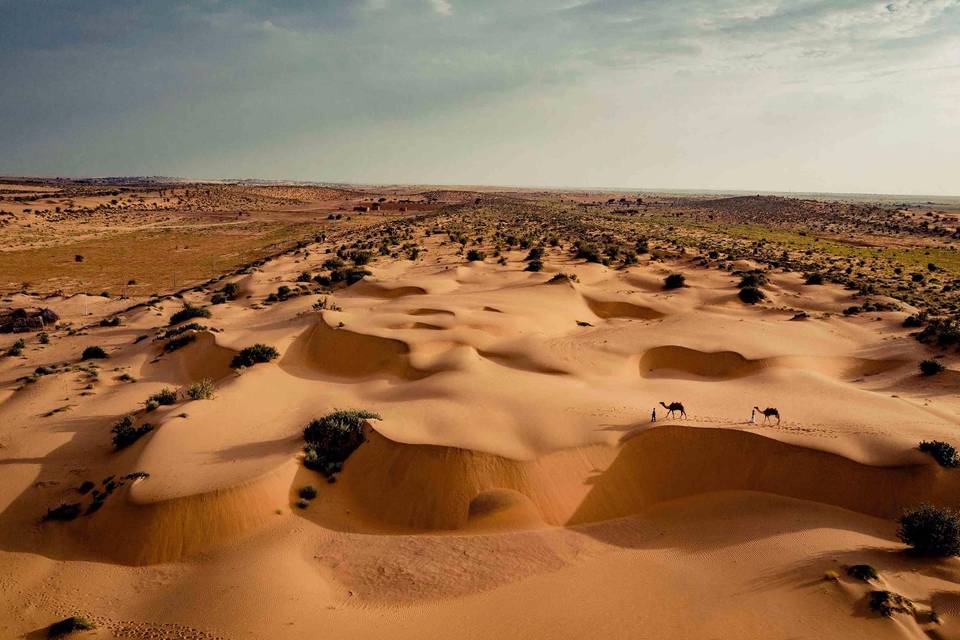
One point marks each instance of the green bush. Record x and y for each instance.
(16, 348)
(353, 276)
(179, 342)
(752, 279)
(475, 255)
(931, 531)
(202, 390)
(674, 281)
(332, 438)
(887, 603)
(589, 252)
(125, 433)
(250, 356)
(68, 626)
(189, 312)
(307, 492)
(930, 368)
(814, 279)
(944, 453)
(862, 572)
(93, 353)
(534, 265)
(751, 295)
(165, 396)
(63, 512)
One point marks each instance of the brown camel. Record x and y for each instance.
(673, 407)
(769, 411)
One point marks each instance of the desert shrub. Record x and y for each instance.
(751, 279)
(231, 290)
(16, 348)
(361, 258)
(944, 331)
(534, 265)
(944, 453)
(751, 295)
(862, 572)
(110, 322)
(175, 331)
(189, 312)
(151, 405)
(63, 512)
(589, 252)
(931, 531)
(202, 390)
(125, 433)
(930, 368)
(283, 292)
(562, 277)
(250, 356)
(914, 321)
(674, 281)
(475, 255)
(93, 353)
(535, 254)
(814, 278)
(218, 298)
(179, 342)
(307, 492)
(304, 277)
(332, 438)
(69, 625)
(886, 603)
(353, 276)
(165, 396)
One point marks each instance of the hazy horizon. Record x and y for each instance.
(815, 96)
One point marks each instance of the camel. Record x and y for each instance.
(769, 411)
(674, 406)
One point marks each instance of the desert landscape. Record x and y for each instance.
(257, 409)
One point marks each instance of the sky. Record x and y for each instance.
(799, 95)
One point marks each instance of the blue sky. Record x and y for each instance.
(805, 95)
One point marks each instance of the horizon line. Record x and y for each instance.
(561, 188)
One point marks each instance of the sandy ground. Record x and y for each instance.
(516, 486)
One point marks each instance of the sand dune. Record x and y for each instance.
(516, 459)
(730, 364)
(342, 353)
(621, 309)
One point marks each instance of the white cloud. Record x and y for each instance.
(441, 6)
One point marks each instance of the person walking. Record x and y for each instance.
(653, 415)
(753, 415)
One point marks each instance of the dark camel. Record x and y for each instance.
(674, 406)
(769, 411)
